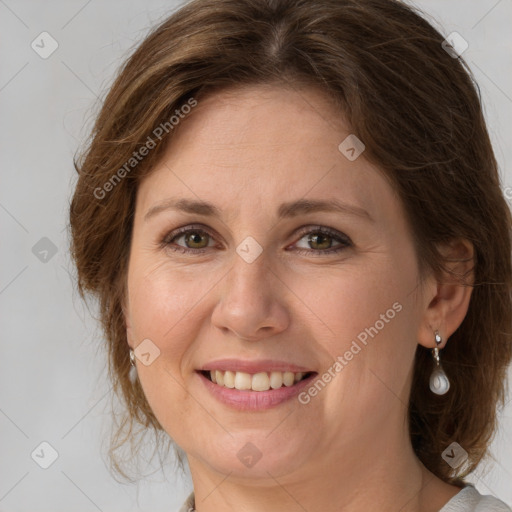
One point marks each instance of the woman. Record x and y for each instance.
(291, 215)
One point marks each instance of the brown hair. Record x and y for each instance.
(417, 110)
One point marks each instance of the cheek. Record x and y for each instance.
(162, 301)
(162, 310)
(345, 303)
(367, 319)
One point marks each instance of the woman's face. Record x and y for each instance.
(257, 283)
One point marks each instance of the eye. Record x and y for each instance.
(196, 240)
(322, 238)
(193, 236)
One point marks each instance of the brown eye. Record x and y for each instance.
(194, 240)
(320, 241)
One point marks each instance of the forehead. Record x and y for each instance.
(259, 145)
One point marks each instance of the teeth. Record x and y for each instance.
(243, 380)
(276, 380)
(262, 381)
(229, 379)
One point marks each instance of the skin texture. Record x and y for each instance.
(247, 151)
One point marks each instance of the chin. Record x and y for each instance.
(260, 456)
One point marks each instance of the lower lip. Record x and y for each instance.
(254, 400)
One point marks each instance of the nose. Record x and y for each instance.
(252, 301)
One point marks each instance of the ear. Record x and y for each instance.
(448, 298)
(127, 320)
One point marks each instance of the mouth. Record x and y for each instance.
(259, 382)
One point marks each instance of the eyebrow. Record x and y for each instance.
(286, 210)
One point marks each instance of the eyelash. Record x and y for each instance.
(340, 237)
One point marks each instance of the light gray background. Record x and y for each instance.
(52, 378)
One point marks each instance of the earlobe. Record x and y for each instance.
(450, 296)
(129, 334)
(128, 325)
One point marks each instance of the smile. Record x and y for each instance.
(261, 381)
(254, 391)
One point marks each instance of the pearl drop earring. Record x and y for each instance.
(133, 370)
(439, 383)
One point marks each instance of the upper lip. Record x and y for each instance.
(253, 366)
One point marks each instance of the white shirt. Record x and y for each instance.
(470, 500)
(467, 499)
